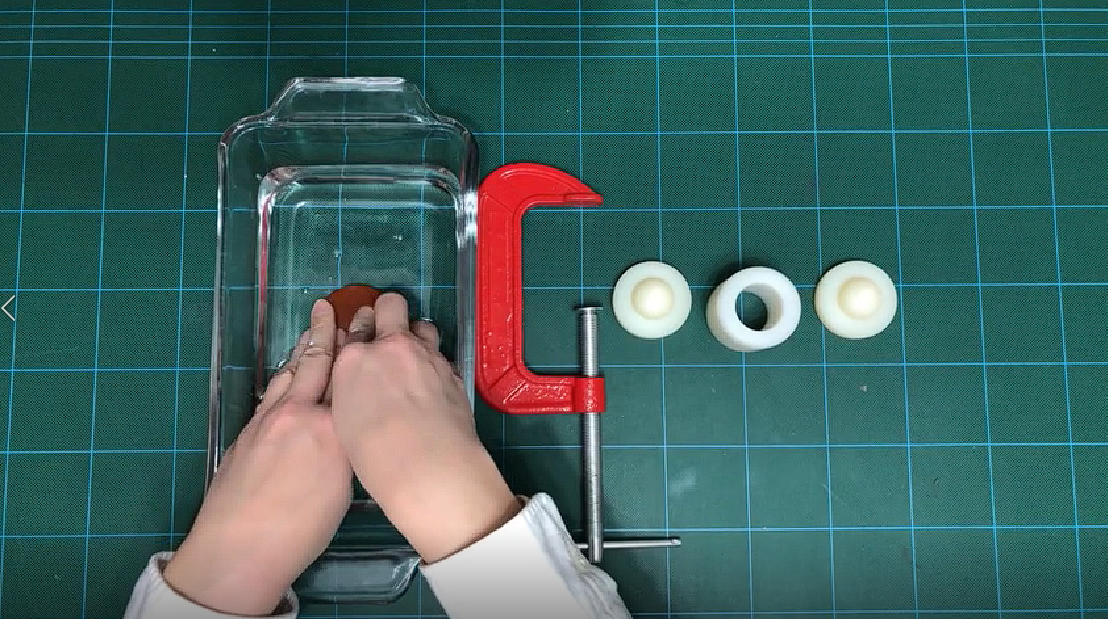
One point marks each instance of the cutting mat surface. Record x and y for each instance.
(954, 465)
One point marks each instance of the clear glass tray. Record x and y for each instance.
(340, 181)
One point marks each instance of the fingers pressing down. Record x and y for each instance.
(313, 369)
(362, 325)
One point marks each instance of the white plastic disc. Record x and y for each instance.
(856, 299)
(782, 309)
(651, 300)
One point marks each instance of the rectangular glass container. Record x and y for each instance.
(340, 181)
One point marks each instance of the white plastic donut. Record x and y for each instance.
(782, 309)
(856, 299)
(651, 300)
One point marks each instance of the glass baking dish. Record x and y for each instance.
(340, 181)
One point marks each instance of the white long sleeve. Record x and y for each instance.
(153, 598)
(529, 567)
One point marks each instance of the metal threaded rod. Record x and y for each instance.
(588, 343)
(588, 346)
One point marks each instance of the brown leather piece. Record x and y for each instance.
(349, 299)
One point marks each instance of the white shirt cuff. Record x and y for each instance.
(528, 567)
(153, 598)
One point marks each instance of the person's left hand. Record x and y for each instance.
(280, 492)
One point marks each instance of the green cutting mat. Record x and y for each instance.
(954, 465)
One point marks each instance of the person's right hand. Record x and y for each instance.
(403, 418)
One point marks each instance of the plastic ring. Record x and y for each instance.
(782, 308)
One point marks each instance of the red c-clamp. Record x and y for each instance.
(502, 378)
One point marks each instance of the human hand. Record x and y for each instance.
(280, 492)
(403, 418)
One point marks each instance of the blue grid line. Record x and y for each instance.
(801, 286)
(424, 292)
(894, 527)
(598, 11)
(112, 133)
(424, 295)
(503, 160)
(877, 612)
(802, 132)
(1035, 55)
(293, 27)
(784, 43)
(759, 41)
(339, 209)
(716, 209)
(64, 370)
(843, 364)
(569, 28)
(562, 56)
(268, 49)
(114, 211)
(503, 96)
(373, 616)
(181, 291)
(1062, 320)
(888, 445)
(580, 155)
(977, 611)
(15, 327)
(345, 149)
(93, 535)
(776, 41)
(687, 209)
(900, 318)
(523, 26)
(742, 356)
(747, 614)
(672, 446)
(99, 313)
(72, 452)
(814, 529)
(658, 530)
(830, 364)
(891, 527)
(559, 366)
(959, 611)
(804, 286)
(822, 332)
(661, 341)
(681, 209)
(981, 315)
(422, 49)
(617, 133)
